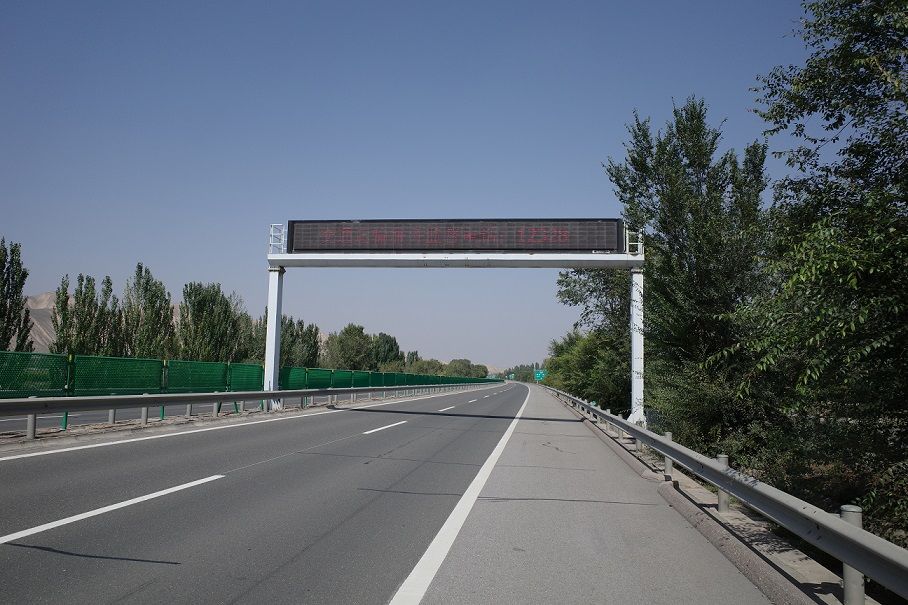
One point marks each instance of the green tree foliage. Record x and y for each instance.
(148, 325)
(15, 319)
(427, 366)
(385, 350)
(829, 334)
(701, 212)
(523, 372)
(350, 349)
(412, 357)
(595, 364)
(458, 367)
(210, 324)
(89, 322)
(300, 344)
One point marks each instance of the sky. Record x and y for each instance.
(174, 133)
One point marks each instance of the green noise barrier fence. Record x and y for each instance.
(53, 375)
(33, 374)
(93, 375)
(246, 376)
(196, 376)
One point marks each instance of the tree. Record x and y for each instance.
(478, 370)
(458, 367)
(210, 324)
(148, 325)
(701, 213)
(385, 350)
(89, 322)
(595, 365)
(523, 372)
(431, 367)
(828, 337)
(310, 346)
(412, 357)
(299, 343)
(15, 318)
(349, 349)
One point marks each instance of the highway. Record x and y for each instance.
(440, 499)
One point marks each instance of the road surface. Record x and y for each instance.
(444, 499)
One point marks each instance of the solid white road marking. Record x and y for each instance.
(485, 396)
(414, 587)
(381, 428)
(446, 409)
(104, 509)
(39, 418)
(472, 400)
(210, 428)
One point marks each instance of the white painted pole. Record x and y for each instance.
(273, 333)
(637, 415)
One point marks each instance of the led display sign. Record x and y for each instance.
(457, 235)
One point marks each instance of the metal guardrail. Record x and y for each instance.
(40, 405)
(32, 406)
(877, 558)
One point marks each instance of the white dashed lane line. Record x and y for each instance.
(381, 428)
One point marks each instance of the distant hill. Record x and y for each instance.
(41, 308)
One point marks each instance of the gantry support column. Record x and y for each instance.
(273, 334)
(637, 415)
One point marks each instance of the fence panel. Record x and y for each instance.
(361, 379)
(196, 376)
(342, 379)
(116, 375)
(319, 378)
(28, 374)
(246, 377)
(293, 378)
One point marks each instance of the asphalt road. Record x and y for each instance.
(307, 509)
(347, 506)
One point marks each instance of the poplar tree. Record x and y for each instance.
(15, 318)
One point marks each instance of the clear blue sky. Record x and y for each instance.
(174, 133)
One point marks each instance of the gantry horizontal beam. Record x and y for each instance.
(458, 260)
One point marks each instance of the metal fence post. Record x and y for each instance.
(30, 426)
(64, 421)
(852, 579)
(722, 507)
(668, 461)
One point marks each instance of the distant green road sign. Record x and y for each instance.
(541, 374)
(510, 377)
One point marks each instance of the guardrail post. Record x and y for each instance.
(722, 507)
(30, 423)
(668, 461)
(215, 408)
(111, 416)
(144, 416)
(64, 421)
(188, 410)
(852, 579)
